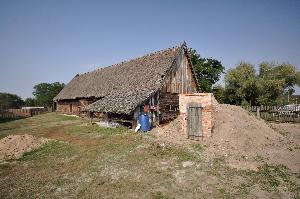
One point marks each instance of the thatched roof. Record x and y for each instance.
(123, 86)
(121, 102)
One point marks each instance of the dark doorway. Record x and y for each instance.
(54, 106)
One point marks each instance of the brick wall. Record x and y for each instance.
(206, 101)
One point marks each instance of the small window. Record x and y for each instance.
(71, 108)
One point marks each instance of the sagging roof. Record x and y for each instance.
(123, 86)
(121, 102)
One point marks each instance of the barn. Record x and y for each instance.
(120, 92)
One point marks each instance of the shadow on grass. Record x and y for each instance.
(3, 120)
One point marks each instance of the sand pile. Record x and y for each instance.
(235, 129)
(14, 146)
(170, 133)
(242, 137)
(245, 141)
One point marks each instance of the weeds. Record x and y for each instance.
(259, 158)
(113, 165)
(223, 193)
(4, 120)
(171, 151)
(244, 189)
(160, 195)
(42, 152)
(88, 130)
(272, 176)
(269, 174)
(4, 165)
(198, 147)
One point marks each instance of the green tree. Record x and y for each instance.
(276, 82)
(219, 93)
(273, 85)
(8, 100)
(208, 70)
(45, 92)
(30, 102)
(241, 84)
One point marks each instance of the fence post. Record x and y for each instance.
(258, 112)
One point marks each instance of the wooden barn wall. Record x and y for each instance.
(180, 79)
(63, 106)
(168, 106)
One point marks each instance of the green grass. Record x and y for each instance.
(92, 130)
(4, 120)
(270, 177)
(160, 195)
(38, 125)
(244, 189)
(223, 193)
(198, 147)
(259, 158)
(46, 150)
(274, 175)
(86, 161)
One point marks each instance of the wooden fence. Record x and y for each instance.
(276, 113)
(21, 113)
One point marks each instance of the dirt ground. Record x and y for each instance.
(245, 141)
(85, 161)
(14, 146)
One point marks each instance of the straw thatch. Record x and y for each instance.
(122, 87)
(121, 102)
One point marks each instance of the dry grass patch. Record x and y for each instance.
(86, 161)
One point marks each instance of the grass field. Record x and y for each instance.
(85, 161)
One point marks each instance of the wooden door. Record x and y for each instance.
(194, 121)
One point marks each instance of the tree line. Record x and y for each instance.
(43, 95)
(272, 84)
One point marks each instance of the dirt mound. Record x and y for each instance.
(235, 129)
(14, 146)
(242, 137)
(170, 133)
(245, 141)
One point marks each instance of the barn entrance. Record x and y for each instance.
(194, 121)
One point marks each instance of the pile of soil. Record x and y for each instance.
(14, 146)
(170, 133)
(245, 141)
(242, 138)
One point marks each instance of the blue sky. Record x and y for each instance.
(48, 41)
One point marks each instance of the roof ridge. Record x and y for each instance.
(141, 75)
(136, 58)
